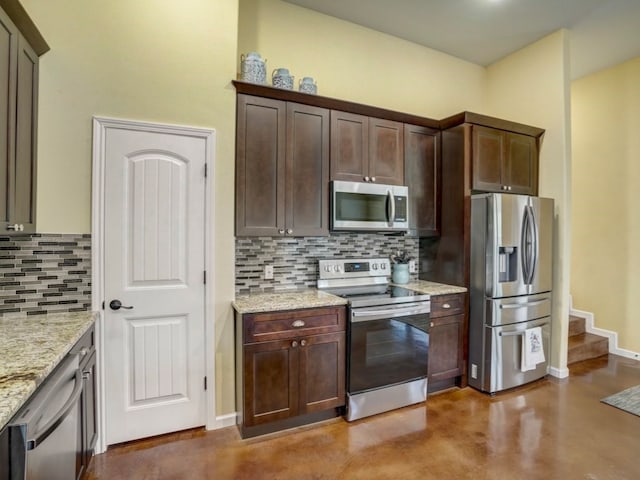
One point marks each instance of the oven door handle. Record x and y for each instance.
(63, 413)
(375, 314)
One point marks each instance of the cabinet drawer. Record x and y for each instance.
(444, 305)
(261, 327)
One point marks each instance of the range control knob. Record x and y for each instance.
(383, 266)
(327, 268)
(337, 268)
(374, 266)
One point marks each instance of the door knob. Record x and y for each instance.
(117, 305)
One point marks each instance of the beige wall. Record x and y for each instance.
(358, 64)
(153, 60)
(531, 86)
(605, 262)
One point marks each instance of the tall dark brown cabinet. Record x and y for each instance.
(20, 45)
(282, 168)
(479, 154)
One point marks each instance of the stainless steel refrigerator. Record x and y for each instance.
(510, 288)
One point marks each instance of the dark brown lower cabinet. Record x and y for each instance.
(446, 341)
(294, 376)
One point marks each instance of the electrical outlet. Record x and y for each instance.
(268, 272)
(412, 266)
(474, 370)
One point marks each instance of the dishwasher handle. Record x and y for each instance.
(41, 435)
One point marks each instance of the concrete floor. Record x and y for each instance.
(550, 429)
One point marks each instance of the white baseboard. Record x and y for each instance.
(558, 372)
(611, 335)
(223, 421)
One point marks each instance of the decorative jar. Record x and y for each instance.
(281, 78)
(400, 273)
(307, 85)
(253, 68)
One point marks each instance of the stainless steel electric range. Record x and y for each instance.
(387, 335)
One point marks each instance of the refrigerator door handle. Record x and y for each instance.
(529, 245)
(522, 305)
(511, 334)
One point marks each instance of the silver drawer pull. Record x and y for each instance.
(298, 324)
(446, 305)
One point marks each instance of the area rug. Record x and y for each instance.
(627, 400)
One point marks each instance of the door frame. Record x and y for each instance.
(100, 127)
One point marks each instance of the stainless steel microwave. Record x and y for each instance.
(369, 206)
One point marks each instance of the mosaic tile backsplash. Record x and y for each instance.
(295, 260)
(45, 273)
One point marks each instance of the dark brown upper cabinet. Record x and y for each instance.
(18, 120)
(282, 168)
(422, 163)
(366, 149)
(503, 161)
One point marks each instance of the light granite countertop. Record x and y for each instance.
(312, 298)
(30, 348)
(285, 300)
(433, 288)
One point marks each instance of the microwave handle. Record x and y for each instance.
(391, 207)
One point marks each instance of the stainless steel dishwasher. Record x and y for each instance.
(44, 434)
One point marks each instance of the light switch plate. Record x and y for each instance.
(268, 272)
(412, 266)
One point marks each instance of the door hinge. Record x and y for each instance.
(103, 304)
(204, 277)
(206, 170)
(205, 383)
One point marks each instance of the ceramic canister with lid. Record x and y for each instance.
(307, 85)
(282, 79)
(253, 68)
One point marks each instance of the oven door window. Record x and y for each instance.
(387, 352)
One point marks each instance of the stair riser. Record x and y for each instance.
(585, 352)
(576, 326)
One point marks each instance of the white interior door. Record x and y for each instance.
(154, 263)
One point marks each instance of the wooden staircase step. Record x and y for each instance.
(585, 346)
(576, 325)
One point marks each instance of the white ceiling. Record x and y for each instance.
(603, 32)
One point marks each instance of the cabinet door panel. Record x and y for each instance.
(24, 208)
(487, 153)
(8, 48)
(386, 151)
(422, 176)
(521, 165)
(307, 170)
(271, 382)
(445, 347)
(322, 370)
(349, 146)
(260, 166)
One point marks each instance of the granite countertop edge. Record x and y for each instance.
(314, 298)
(30, 349)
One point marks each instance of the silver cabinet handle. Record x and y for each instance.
(298, 324)
(16, 227)
(303, 342)
(366, 179)
(281, 231)
(373, 179)
(431, 324)
(289, 231)
(294, 344)
(446, 305)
